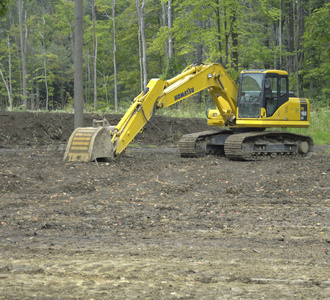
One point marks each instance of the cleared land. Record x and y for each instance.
(153, 225)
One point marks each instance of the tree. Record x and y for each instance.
(23, 39)
(8, 91)
(140, 12)
(254, 34)
(317, 52)
(70, 25)
(3, 7)
(103, 7)
(114, 53)
(170, 25)
(45, 61)
(78, 65)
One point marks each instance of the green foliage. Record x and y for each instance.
(238, 34)
(188, 108)
(319, 128)
(317, 52)
(170, 70)
(3, 7)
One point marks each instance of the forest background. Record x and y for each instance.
(128, 42)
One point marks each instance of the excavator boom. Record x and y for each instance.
(85, 144)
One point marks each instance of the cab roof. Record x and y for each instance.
(269, 71)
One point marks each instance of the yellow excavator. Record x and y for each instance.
(262, 101)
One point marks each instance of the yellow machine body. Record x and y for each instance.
(273, 107)
(261, 102)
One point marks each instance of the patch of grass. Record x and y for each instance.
(134, 146)
(184, 109)
(139, 146)
(319, 129)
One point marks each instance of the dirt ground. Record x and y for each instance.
(153, 225)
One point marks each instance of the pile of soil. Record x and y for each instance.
(19, 129)
(154, 225)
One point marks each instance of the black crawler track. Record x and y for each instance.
(258, 145)
(195, 144)
(246, 146)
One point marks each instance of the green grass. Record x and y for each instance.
(180, 113)
(139, 146)
(319, 129)
(134, 145)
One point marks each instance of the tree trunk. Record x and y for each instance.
(219, 31)
(8, 91)
(95, 55)
(88, 76)
(144, 47)
(199, 46)
(95, 74)
(33, 80)
(143, 57)
(267, 64)
(16, 42)
(71, 30)
(62, 96)
(113, 17)
(234, 35)
(114, 53)
(45, 62)
(164, 24)
(37, 106)
(140, 58)
(296, 67)
(140, 12)
(170, 24)
(227, 39)
(78, 65)
(46, 83)
(9, 66)
(299, 40)
(23, 53)
(280, 35)
(291, 36)
(311, 83)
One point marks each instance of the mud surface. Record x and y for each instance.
(153, 225)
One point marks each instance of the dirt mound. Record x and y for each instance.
(18, 129)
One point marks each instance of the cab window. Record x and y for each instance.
(283, 87)
(271, 97)
(250, 95)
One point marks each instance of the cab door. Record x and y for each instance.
(275, 92)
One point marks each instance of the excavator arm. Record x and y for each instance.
(110, 142)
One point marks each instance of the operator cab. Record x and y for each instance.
(267, 89)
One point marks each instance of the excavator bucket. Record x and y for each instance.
(89, 143)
